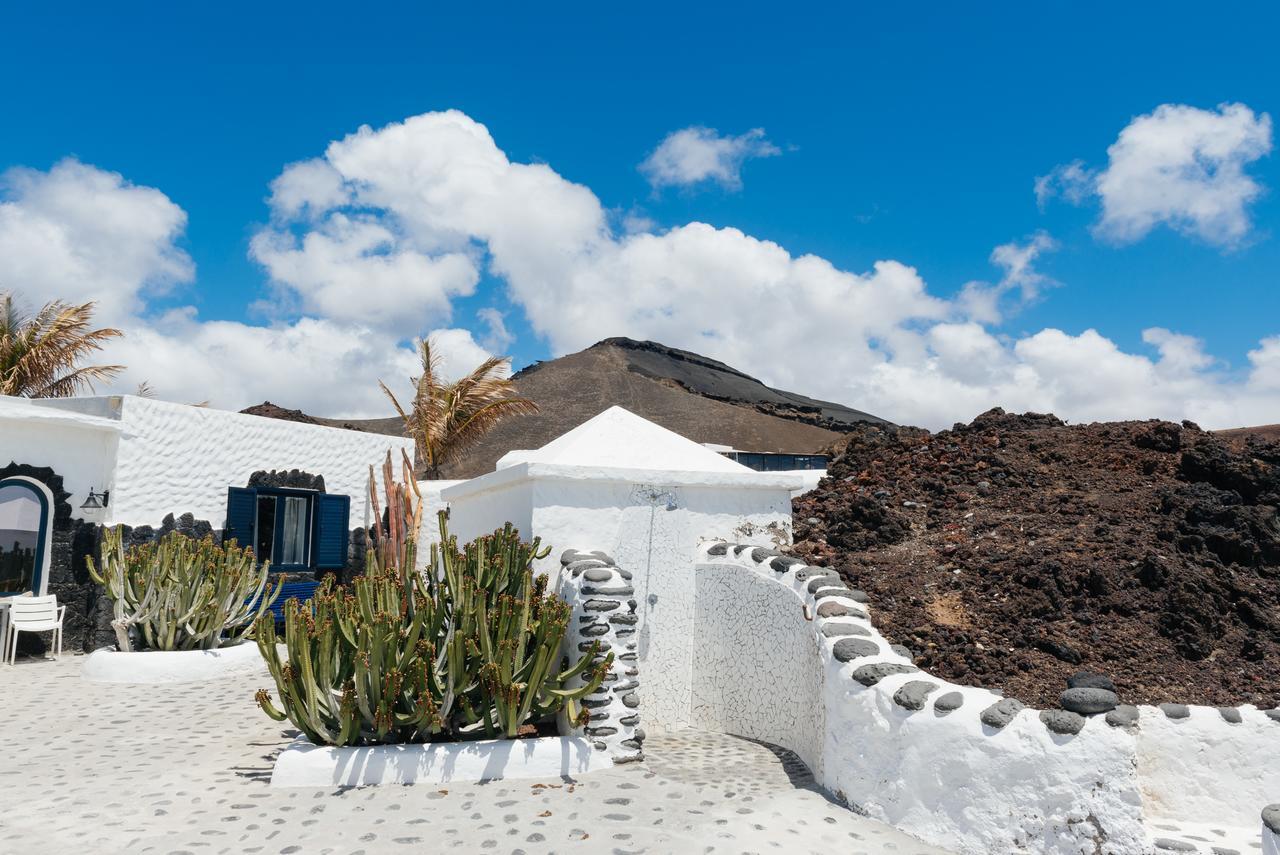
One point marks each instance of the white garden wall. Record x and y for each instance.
(756, 668)
(934, 759)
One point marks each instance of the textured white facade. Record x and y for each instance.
(158, 457)
(756, 669)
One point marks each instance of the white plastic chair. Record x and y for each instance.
(33, 614)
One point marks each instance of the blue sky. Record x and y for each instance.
(911, 134)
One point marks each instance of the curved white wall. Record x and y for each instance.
(756, 670)
(948, 776)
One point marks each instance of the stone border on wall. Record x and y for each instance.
(603, 609)
(964, 767)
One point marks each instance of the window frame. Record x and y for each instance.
(278, 526)
(44, 536)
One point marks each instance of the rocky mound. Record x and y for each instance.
(1017, 550)
(697, 397)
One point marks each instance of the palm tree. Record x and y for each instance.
(445, 418)
(40, 355)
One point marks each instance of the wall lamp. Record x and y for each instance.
(96, 500)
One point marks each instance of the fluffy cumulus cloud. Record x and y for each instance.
(82, 234)
(442, 185)
(407, 217)
(696, 155)
(981, 301)
(1178, 166)
(77, 232)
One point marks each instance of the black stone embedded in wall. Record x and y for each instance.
(294, 478)
(72, 541)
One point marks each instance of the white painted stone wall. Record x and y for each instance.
(756, 668)
(604, 619)
(174, 458)
(1205, 766)
(954, 780)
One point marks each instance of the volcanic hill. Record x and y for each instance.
(697, 397)
(1016, 550)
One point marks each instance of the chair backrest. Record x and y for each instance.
(33, 609)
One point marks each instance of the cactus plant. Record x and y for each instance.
(467, 647)
(180, 593)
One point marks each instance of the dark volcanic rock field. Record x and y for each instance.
(1015, 551)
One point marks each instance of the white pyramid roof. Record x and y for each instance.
(619, 439)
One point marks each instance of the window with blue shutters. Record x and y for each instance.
(296, 529)
(333, 515)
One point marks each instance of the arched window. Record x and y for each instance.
(25, 526)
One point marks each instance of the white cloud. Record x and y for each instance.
(980, 301)
(80, 233)
(696, 154)
(436, 189)
(876, 339)
(497, 338)
(350, 266)
(1178, 166)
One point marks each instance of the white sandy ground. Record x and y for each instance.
(93, 768)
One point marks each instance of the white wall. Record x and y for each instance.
(84, 457)
(1204, 766)
(175, 458)
(756, 669)
(955, 781)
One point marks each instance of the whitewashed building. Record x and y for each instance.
(68, 466)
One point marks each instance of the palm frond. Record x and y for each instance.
(41, 355)
(445, 419)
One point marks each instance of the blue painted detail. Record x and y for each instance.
(331, 535)
(242, 516)
(37, 572)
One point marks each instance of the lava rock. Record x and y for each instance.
(1089, 701)
(1271, 818)
(1090, 680)
(869, 675)
(833, 629)
(1001, 712)
(903, 651)
(1062, 721)
(784, 563)
(833, 609)
(1125, 715)
(913, 694)
(598, 574)
(1274, 715)
(717, 549)
(817, 582)
(1175, 710)
(949, 702)
(847, 649)
(1231, 715)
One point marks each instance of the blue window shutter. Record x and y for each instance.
(333, 515)
(242, 516)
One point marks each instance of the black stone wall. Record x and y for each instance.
(87, 624)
